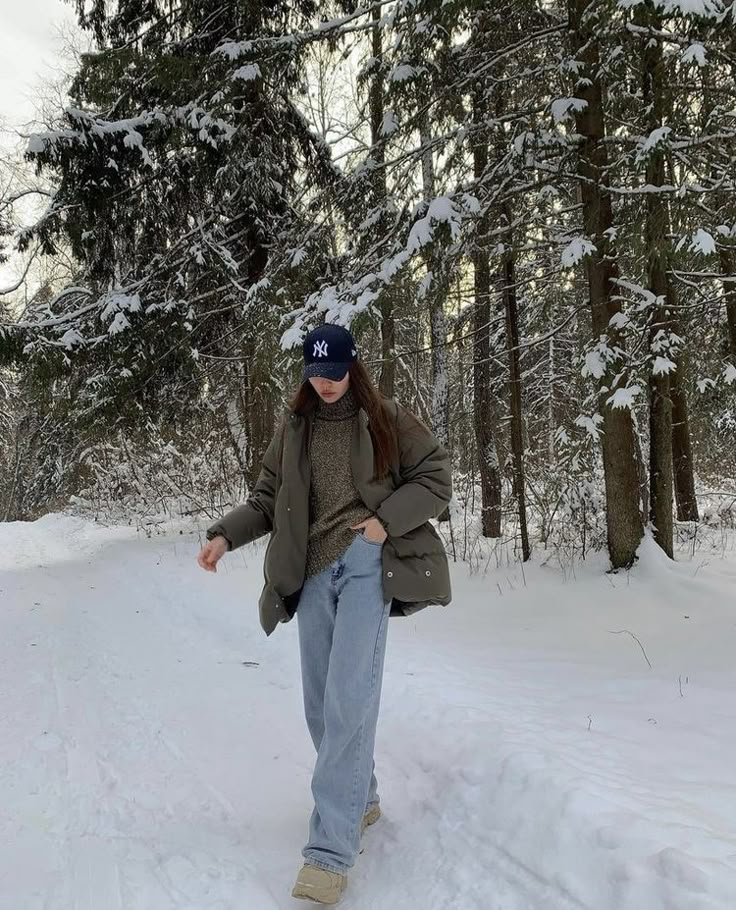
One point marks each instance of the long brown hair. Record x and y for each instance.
(368, 397)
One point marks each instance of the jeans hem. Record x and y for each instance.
(320, 864)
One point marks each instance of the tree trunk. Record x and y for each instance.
(512, 346)
(641, 472)
(551, 382)
(660, 461)
(683, 468)
(656, 234)
(724, 202)
(387, 377)
(440, 404)
(682, 453)
(511, 310)
(484, 416)
(728, 267)
(622, 513)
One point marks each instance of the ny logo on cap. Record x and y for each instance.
(320, 349)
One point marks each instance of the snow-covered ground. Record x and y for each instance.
(153, 753)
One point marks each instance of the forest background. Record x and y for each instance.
(524, 211)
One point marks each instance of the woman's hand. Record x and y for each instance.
(372, 530)
(211, 552)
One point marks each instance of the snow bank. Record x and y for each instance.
(56, 537)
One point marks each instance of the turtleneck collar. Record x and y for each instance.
(345, 406)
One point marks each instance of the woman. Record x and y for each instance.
(347, 488)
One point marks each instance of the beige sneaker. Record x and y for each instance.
(320, 885)
(371, 817)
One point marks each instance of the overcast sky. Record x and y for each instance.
(29, 46)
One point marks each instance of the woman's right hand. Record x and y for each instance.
(211, 552)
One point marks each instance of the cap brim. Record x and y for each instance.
(332, 371)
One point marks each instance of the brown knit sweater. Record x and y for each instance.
(334, 503)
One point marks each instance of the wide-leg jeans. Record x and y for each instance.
(343, 622)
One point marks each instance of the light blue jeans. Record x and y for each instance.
(343, 621)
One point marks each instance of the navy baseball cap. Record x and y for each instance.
(328, 352)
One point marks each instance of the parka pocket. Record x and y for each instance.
(421, 541)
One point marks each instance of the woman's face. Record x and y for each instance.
(329, 390)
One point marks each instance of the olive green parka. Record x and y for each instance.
(415, 566)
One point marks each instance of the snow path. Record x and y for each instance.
(154, 753)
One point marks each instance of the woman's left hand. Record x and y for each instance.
(372, 530)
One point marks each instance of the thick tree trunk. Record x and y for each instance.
(622, 498)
